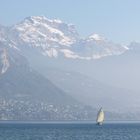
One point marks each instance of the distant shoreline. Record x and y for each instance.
(67, 122)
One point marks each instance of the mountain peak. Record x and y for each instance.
(40, 31)
(42, 19)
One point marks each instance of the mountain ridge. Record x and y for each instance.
(55, 38)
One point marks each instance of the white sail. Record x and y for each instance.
(100, 117)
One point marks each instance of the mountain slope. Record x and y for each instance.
(90, 91)
(27, 95)
(18, 78)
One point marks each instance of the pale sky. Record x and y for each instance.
(118, 20)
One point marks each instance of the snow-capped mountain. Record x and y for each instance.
(54, 38)
(42, 32)
(48, 36)
(96, 46)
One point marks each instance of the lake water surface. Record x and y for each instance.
(69, 131)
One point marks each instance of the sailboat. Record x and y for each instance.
(100, 117)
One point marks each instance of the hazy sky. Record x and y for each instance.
(118, 20)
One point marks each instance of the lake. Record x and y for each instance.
(69, 131)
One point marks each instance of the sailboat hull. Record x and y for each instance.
(99, 123)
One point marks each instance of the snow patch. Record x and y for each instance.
(51, 52)
(69, 54)
(96, 37)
